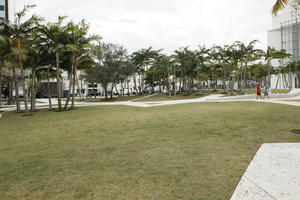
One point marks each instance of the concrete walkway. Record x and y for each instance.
(273, 174)
(279, 99)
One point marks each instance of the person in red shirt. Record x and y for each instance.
(258, 92)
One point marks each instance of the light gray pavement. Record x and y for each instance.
(273, 174)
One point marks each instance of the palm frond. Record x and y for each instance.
(279, 4)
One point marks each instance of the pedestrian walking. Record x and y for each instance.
(258, 92)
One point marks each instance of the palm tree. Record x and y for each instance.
(281, 55)
(187, 64)
(201, 56)
(55, 37)
(19, 32)
(5, 60)
(80, 44)
(250, 54)
(143, 59)
(236, 55)
(279, 4)
(271, 54)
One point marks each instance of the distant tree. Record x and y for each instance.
(142, 59)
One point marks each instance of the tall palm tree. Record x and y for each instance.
(271, 54)
(143, 59)
(55, 37)
(201, 56)
(80, 44)
(250, 54)
(236, 56)
(5, 60)
(19, 32)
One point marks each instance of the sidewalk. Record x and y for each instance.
(273, 174)
(276, 98)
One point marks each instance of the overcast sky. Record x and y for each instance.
(166, 24)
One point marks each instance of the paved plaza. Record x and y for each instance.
(273, 174)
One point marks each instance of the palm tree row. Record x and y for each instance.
(33, 51)
(210, 68)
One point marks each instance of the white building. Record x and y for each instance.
(7, 9)
(285, 34)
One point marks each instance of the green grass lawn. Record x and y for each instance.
(294, 100)
(191, 151)
(165, 97)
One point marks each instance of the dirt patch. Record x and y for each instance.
(296, 132)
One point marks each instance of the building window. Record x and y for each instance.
(2, 7)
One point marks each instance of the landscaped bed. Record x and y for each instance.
(188, 151)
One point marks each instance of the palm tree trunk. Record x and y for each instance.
(119, 92)
(94, 91)
(24, 90)
(153, 84)
(16, 89)
(73, 86)
(58, 82)
(135, 85)
(33, 106)
(269, 74)
(140, 87)
(105, 91)
(10, 98)
(111, 93)
(277, 80)
(79, 88)
(48, 87)
(290, 79)
(180, 85)
(224, 78)
(169, 84)
(123, 88)
(81, 85)
(23, 82)
(69, 92)
(127, 87)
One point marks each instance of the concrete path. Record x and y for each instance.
(273, 174)
(279, 99)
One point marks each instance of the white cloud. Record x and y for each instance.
(167, 24)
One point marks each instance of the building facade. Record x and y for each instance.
(7, 9)
(4, 9)
(285, 34)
